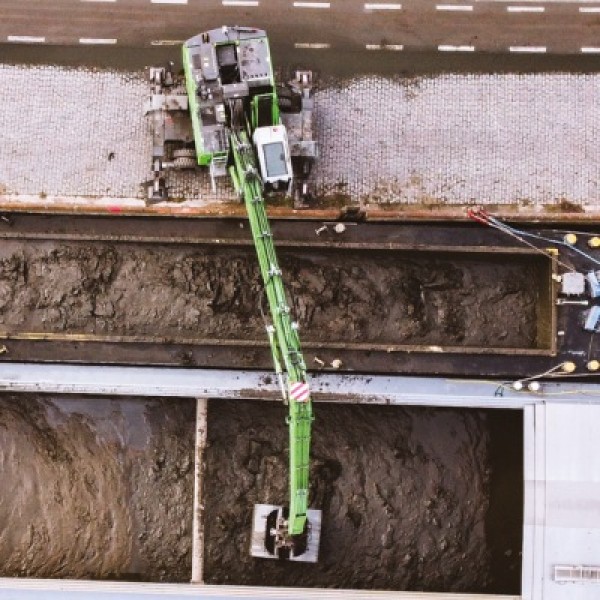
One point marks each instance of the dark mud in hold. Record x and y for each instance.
(96, 488)
(504, 522)
(385, 298)
(405, 494)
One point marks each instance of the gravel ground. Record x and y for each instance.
(522, 139)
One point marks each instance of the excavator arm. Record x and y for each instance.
(283, 335)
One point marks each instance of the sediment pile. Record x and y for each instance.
(412, 498)
(174, 293)
(96, 488)
(404, 494)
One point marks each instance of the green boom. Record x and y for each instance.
(283, 334)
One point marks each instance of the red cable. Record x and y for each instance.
(479, 215)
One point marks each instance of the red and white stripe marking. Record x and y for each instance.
(299, 391)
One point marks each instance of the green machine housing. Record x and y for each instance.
(223, 65)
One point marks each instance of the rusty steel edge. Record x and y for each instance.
(418, 212)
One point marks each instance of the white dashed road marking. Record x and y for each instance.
(455, 7)
(589, 9)
(166, 42)
(26, 39)
(97, 41)
(450, 48)
(168, 1)
(525, 9)
(240, 3)
(382, 6)
(536, 1)
(396, 47)
(530, 49)
(590, 50)
(312, 45)
(312, 4)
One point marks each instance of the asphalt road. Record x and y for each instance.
(445, 26)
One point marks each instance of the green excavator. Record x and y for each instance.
(228, 115)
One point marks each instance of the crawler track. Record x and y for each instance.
(305, 243)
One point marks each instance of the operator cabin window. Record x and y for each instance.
(275, 159)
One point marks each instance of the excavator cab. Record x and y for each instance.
(274, 160)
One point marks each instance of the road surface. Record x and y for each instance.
(520, 27)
